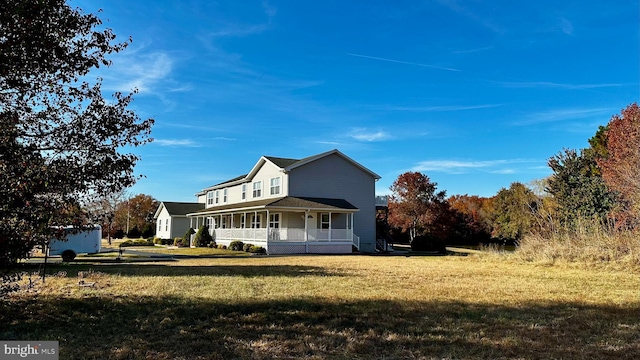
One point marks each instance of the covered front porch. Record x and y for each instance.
(284, 226)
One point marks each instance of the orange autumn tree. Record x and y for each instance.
(414, 204)
(621, 165)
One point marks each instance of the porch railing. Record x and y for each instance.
(283, 234)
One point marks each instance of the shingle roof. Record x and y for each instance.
(231, 180)
(288, 164)
(313, 203)
(281, 162)
(288, 202)
(181, 208)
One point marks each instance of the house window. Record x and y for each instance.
(244, 191)
(210, 198)
(325, 221)
(224, 195)
(256, 221)
(243, 222)
(274, 221)
(224, 222)
(217, 196)
(159, 224)
(257, 189)
(166, 225)
(275, 186)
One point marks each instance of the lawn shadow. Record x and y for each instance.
(171, 327)
(145, 269)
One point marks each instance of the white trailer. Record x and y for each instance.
(76, 242)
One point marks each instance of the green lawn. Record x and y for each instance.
(337, 307)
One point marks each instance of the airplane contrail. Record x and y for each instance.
(404, 62)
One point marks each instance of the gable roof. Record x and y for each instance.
(325, 154)
(179, 208)
(286, 165)
(281, 162)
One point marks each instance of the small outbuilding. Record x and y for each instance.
(171, 218)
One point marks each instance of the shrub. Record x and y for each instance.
(223, 247)
(166, 241)
(212, 245)
(247, 247)
(148, 230)
(157, 241)
(186, 238)
(145, 242)
(126, 243)
(138, 242)
(178, 242)
(203, 237)
(428, 243)
(236, 245)
(258, 250)
(118, 234)
(134, 233)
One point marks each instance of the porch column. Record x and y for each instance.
(330, 227)
(351, 227)
(306, 231)
(267, 226)
(244, 230)
(306, 226)
(254, 224)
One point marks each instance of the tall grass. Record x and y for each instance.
(589, 243)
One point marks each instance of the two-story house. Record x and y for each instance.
(320, 204)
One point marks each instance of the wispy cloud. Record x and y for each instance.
(176, 142)
(138, 70)
(332, 143)
(404, 62)
(369, 135)
(565, 26)
(269, 10)
(548, 84)
(462, 167)
(486, 22)
(222, 138)
(437, 108)
(469, 51)
(562, 115)
(238, 31)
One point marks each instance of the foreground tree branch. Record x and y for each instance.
(61, 141)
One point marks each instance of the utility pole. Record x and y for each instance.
(128, 201)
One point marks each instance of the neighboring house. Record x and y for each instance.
(320, 204)
(171, 218)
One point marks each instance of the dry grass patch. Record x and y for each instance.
(342, 307)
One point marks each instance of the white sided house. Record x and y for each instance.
(171, 218)
(320, 204)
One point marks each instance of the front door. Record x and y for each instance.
(312, 226)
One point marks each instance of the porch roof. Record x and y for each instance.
(291, 203)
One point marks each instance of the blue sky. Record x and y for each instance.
(476, 94)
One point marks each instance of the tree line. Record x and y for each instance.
(121, 215)
(599, 185)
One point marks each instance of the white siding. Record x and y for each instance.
(163, 219)
(264, 174)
